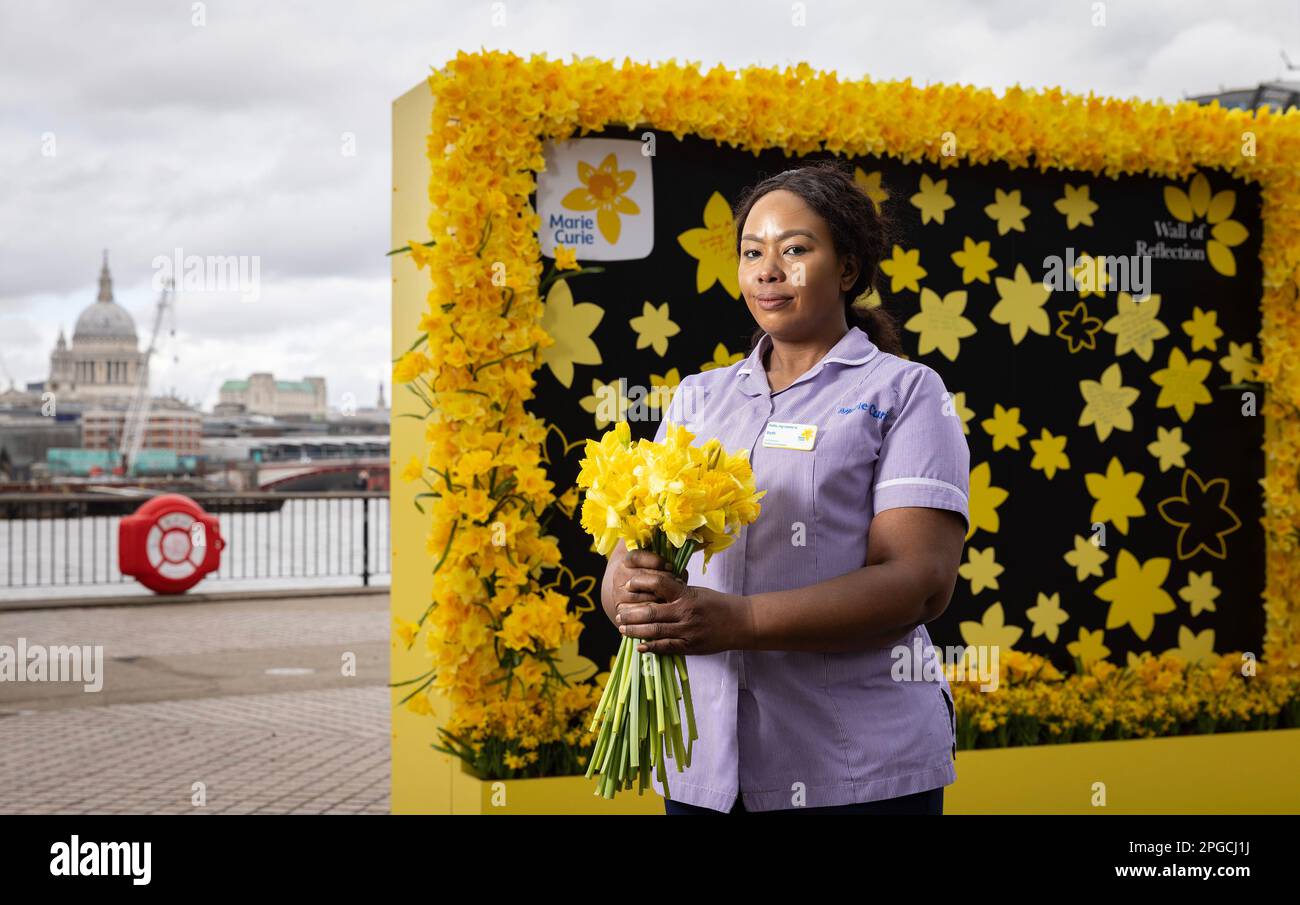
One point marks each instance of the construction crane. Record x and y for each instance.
(5, 368)
(137, 416)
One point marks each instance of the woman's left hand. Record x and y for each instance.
(701, 621)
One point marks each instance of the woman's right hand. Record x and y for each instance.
(637, 576)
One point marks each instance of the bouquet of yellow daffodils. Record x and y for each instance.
(675, 499)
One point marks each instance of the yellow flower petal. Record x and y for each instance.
(1230, 233)
(1221, 205)
(1199, 194)
(1178, 203)
(1221, 258)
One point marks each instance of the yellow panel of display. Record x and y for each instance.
(1195, 774)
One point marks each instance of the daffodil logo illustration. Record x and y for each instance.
(1216, 208)
(714, 246)
(603, 190)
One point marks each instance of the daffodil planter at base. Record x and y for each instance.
(548, 795)
(1229, 773)
(1226, 773)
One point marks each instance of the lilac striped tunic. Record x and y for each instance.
(785, 729)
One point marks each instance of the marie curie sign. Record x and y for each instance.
(596, 196)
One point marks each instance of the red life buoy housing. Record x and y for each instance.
(169, 544)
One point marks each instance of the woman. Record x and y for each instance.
(793, 634)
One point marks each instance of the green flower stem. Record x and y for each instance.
(638, 721)
(634, 712)
(659, 694)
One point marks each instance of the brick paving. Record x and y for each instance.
(200, 708)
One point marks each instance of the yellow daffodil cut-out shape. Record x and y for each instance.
(903, 269)
(940, 323)
(1007, 211)
(1107, 402)
(1047, 617)
(1089, 647)
(722, 358)
(713, 245)
(1049, 454)
(1137, 326)
(1076, 206)
(1240, 363)
(603, 190)
(1182, 383)
(933, 200)
(1225, 233)
(870, 185)
(1200, 592)
(1169, 448)
(1087, 558)
(1020, 305)
(653, 328)
(991, 630)
(1195, 647)
(571, 325)
(1116, 495)
(1203, 328)
(1090, 276)
(974, 260)
(1135, 594)
(985, 498)
(981, 569)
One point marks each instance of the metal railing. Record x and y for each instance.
(53, 540)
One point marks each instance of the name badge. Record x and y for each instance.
(787, 435)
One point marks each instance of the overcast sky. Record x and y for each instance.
(125, 125)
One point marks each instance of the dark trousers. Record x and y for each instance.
(929, 802)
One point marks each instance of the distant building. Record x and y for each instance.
(104, 363)
(171, 425)
(25, 442)
(1279, 95)
(262, 394)
(76, 417)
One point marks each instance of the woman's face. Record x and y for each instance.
(790, 275)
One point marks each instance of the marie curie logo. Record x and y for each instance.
(596, 196)
(869, 408)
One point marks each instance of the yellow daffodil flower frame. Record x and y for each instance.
(493, 111)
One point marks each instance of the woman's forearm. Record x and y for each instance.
(872, 607)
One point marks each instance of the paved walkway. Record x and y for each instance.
(243, 706)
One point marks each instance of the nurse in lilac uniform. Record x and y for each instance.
(815, 685)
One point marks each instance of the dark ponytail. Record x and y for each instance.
(857, 227)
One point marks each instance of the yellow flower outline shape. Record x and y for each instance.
(1169, 512)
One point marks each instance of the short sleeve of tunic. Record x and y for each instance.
(924, 458)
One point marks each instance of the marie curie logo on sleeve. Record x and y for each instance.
(596, 196)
